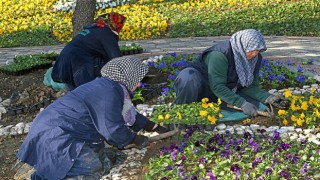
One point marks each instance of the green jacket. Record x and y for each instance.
(217, 76)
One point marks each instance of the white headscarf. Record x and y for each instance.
(242, 42)
(126, 70)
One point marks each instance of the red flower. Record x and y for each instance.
(101, 23)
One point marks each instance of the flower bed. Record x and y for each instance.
(206, 155)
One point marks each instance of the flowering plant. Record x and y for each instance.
(203, 112)
(303, 111)
(210, 156)
(277, 75)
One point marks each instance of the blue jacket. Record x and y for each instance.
(81, 59)
(89, 114)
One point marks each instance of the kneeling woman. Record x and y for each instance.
(67, 138)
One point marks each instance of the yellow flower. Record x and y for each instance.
(302, 116)
(211, 105)
(212, 119)
(308, 120)
(304, 105)
(203, 113)
(219, 101)
(312, 90)
(294, 118)
(204, 105)
(220, 115)
(160, 117)
(167, 116)
(282, 112)
(285, 122)
(204, 100)
(179, 116)
(300, 122)
(287, 93)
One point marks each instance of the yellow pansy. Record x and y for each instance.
(285, 122)
(287, 93)
(300, 122)
(212, 119)
(179, 116)
(294, 118)
(304, 105)
(160, 117)
(221, 115)
(203, 113)
(204, 100)
(204, 105)
(302, 116)
(282, 112)
(219, 101)
(167, 116)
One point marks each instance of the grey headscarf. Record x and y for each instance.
(126, 70)
(242, 42)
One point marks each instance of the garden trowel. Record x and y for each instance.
(269, 113)
(157, 137)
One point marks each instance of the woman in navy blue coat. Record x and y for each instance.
(67, 138)
(81, 60)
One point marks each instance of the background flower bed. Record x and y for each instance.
(26, 23)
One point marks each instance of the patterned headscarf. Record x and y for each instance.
(126, 70)
(242, 42)
(113, 20)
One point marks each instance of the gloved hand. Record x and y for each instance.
(153, 127)
(160, 129)
(141, 141)
(249, 109)
(273, 99)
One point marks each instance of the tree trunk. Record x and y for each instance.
(83, 14)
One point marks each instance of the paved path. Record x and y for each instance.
(278, 47)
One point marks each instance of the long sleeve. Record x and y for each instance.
(105, 110)
(218, 75)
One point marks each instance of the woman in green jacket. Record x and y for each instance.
(229, 71)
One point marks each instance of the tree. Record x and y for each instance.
(83, 14)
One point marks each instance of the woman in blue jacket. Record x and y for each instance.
(228, 70)
(81, 60)
(67, 138)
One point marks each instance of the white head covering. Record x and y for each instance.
(126, 70)
(242, 42)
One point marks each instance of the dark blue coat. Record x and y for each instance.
(81, 59)
(89, 114)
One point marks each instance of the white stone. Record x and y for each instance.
(13, 131)
(317, 142)
(289, 128)
(284, 135)
(293, 137)
(240, 132)
(299, 130)
(301, 136)
(221, 126)
(6, 102)
(282, 131)
(254, 127)
(318, 135)
(272, 91)
(2, 109)
(221, 132)
(305, 86)
(308, 131)
(19, 128)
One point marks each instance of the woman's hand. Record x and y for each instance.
(249, 109)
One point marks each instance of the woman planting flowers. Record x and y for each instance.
(228, 70)
(81, 60)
